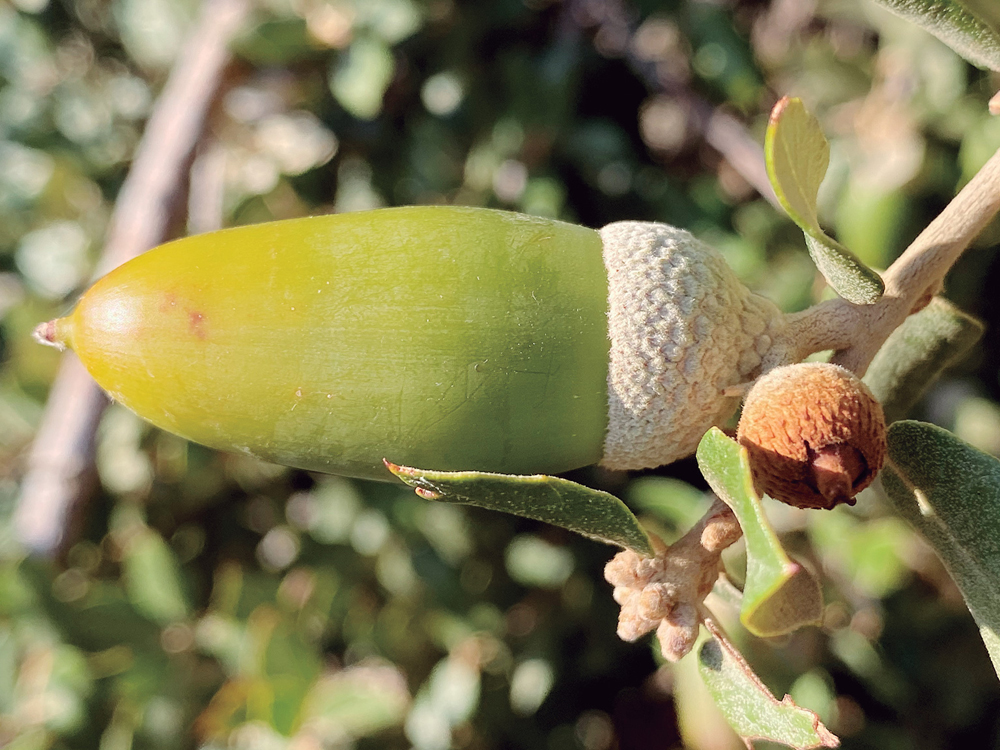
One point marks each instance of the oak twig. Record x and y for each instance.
(55, 480)
(206, 188)
(857, 332)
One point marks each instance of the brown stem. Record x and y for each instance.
(920, 270)
(55, 480)
(142, 207)
(831, 324)
(857, 332)
(206, 190)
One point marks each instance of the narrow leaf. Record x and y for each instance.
(153, 578)
(779, 595)
(955, 24)
(747, 704)
(797, 155)
(844, 271)
(950, 492)
(587, 511)
(926, 344)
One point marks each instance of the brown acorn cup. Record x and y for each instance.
(815, 435)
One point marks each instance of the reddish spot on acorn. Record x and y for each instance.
(815, 435)
(196, 322)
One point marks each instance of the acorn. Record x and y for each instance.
(445, 338)
(815, 434)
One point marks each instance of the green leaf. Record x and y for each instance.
(292, 665)
(361, 76)
(779, 595)
(988, 10)
(590, 512)
(951, 493)
(360, 700)
(747, 704)
(284, 41)
(153, 578)
(955, 24)
(797, 155)
(927, 343)
(843, 271)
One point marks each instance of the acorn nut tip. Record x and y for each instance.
(815, 435)
(48, 333)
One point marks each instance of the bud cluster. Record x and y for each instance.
(665, 592)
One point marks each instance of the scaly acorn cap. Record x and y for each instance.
(815, 434)
(445, 338)
(683, 329)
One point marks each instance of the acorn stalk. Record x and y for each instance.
(441, 337)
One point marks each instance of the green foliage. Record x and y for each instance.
(209, 601)
(956, 24)
(749, 706)
(560, 502)
(797, 155)
(951, 493)
(916, 354)
(152, 578)
(361, 77)
(779, 595)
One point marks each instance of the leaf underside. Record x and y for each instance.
(749, 707)
(797, 155)
(779, 595)
(950, 492)
(956, 25)
(927, 343)
(843, 270)
(592, 513)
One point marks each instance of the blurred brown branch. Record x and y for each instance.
(61, 456)
(206, 187)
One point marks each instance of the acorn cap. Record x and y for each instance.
(683, 329)
(815, 435)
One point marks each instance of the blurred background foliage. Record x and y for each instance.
(211, 601)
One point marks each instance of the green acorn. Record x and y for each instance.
(440, 337)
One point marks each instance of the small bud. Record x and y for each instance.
(815, 435)
(657, 600)
(664, 592)
(678, 632)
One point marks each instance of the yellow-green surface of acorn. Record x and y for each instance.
(440, 337)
